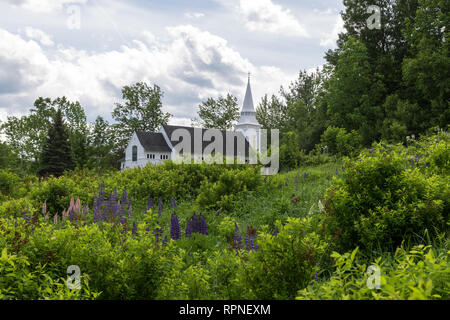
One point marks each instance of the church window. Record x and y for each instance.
(134, 153)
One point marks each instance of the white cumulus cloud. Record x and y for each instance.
(44, 5)
(190, 65)
(266, 16)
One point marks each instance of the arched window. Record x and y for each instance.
(134, 153)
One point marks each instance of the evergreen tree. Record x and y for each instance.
(57, 152)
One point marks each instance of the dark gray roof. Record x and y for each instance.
(152, 141)
(170, 129)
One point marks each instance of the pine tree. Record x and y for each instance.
(57, 152)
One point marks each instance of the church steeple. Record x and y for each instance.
(248, 101)
(248, 124)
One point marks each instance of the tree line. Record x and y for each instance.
(378, 84)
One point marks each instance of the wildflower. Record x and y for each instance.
(158, 232)
(175, 228)
(189, 229)
(124, 196)
(237, 237)
(275, 233)
(134, 230)
(203, 225)
(164, 242)
(55, 219)
(316, 276)
(172, 203)
(44, 207)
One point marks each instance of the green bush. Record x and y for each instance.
(19, 280)
(223, 193)
(383, 199)
(284, 263)
(336, 141)
(420, 274)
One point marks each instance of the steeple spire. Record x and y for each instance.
(248, 101)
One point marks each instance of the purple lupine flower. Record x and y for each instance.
(164, 242)
(417, 158)
(275, 233)
(189, 229)
(247, 244)
(253, 244)
(172, 203)
(124, 196)
(175, 233)
(114, 204)
(158, 232)
(134, 230)
(316, 276)
(101, 191)
(202, 224)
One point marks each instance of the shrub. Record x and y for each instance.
(284, 263)
(381, 200)
(337, 141)
(420, 274)
(223, 193)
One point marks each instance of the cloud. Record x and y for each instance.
(190, 66)
(194, 15)
(39, 36)
(44, 5)
(265, 16)
(329, 40)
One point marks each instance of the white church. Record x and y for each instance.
(157, 147)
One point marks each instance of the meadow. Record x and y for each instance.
(226, 232)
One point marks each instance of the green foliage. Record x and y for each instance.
(420, 274)
(218, 114)
(56, 152)
(21, 281)
(223, 192)
(338, 141)
(141, 110)
(284, 263)
(387, 196)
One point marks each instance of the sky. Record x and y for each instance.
(87, 50)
